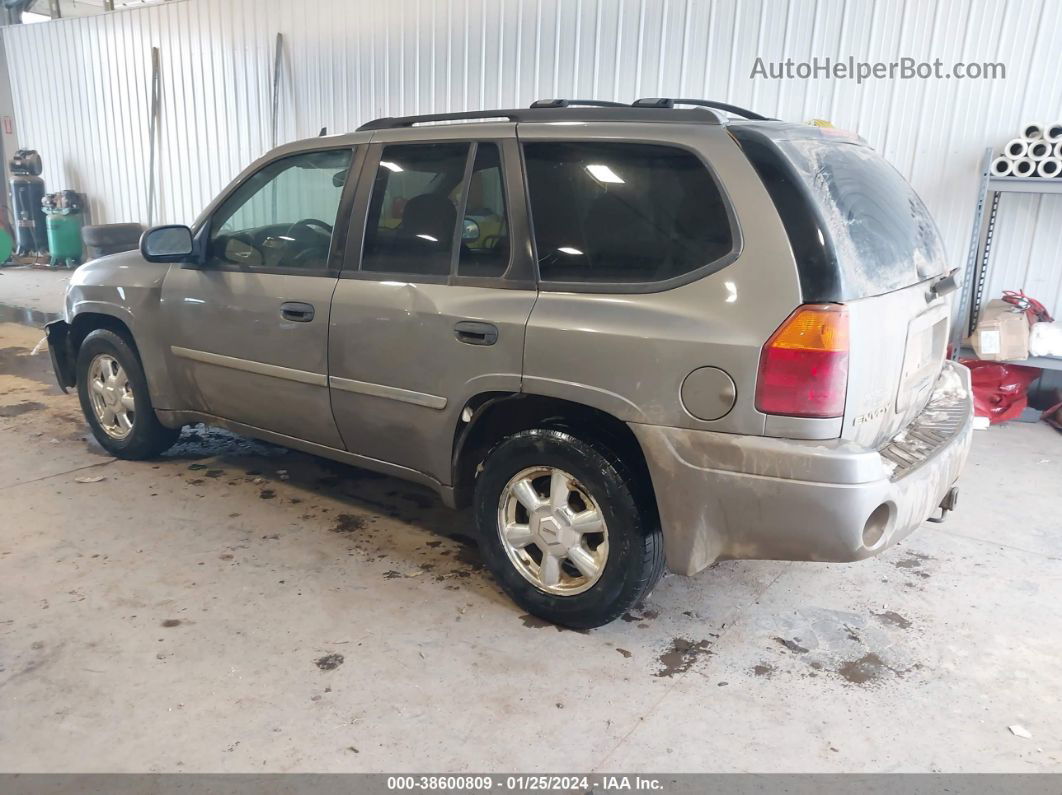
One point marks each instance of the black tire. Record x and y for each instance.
(635, 558)
(112, 235)
(148, 437)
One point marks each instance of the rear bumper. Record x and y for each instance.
(726, 496)
(62, 353)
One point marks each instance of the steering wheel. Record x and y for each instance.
(309, 224)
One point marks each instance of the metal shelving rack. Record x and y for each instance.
(977, 261)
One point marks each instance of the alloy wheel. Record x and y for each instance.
(111, 396)
(553, 531)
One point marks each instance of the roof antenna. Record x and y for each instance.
(324, 132)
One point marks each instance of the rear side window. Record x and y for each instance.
(608, 212)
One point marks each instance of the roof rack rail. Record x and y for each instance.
(567, 103)
(665, 102)
(566, 110)
(390, 122)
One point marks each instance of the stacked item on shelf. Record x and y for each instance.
(1014, 328)
(1037, 152)
(1010, 330)
(1002, 333)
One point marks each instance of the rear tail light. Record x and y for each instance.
(804, 365)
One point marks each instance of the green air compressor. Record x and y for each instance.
(62, 213)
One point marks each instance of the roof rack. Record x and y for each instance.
(391, 122)
(608, 113)
(546, 110)
(664, 102)
(567, 103)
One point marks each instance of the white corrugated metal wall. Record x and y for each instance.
(81, 86)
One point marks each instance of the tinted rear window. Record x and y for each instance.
(607, 212)
(876, 234)
(413, 212)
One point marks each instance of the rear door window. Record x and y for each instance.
(413, 213)
(606, 212)
(485, 226)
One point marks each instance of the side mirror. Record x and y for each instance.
(167, 244)
(470, 230)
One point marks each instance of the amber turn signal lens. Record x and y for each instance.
(814, 328)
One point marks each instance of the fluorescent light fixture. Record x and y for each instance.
(603, 173)
(569, 250)
(391, 166)
(429, 237)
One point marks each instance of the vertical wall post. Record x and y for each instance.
(153, 123)
(8, 138)
(276, 87)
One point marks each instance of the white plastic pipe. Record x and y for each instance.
(1002, 167)
(1045, 339)
(1032, 130)
(1039, 149)
(1058, 149)
(1019, 147)
(1024, 167)
(1053, 132)
(1049, 167)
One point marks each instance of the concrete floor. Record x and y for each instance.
(238, 607)
(32, 290)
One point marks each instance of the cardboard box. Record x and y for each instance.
(1002, 333)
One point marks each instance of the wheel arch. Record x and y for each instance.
(84, 323)
(106, 316)
(492, 416)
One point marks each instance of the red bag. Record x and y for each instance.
(1000, 390)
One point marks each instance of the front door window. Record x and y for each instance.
(283, 216)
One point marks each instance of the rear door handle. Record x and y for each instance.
(473, 332)
(296, 311)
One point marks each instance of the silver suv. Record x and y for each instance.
(632, 337)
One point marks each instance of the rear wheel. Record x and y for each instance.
(114, 398)
(562, 530)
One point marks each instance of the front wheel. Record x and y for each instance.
(563, 531)
(114, 398)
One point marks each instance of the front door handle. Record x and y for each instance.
(472, 332)
(296, 311)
